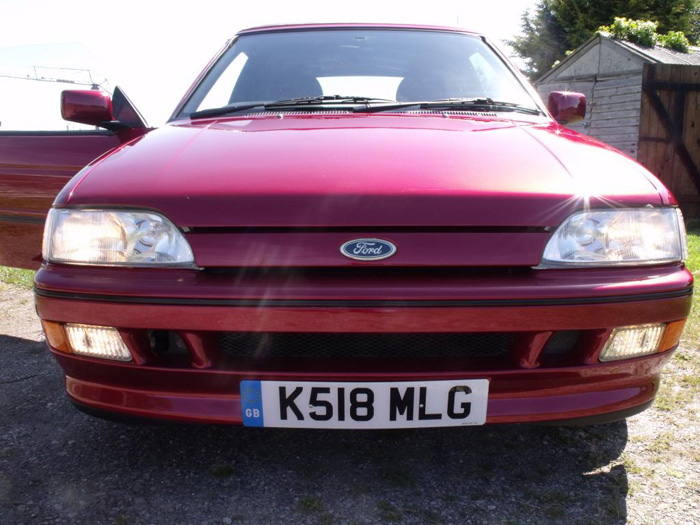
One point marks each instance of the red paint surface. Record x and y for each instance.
(297, 27)
(364, 170)
(34, 167)
(213, 396)
(391, 284)
(322, 249)
(357, 319)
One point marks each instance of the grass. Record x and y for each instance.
(662, 460)
(693, 260)
(17, 276)
(692, 329)
(680, 385)
(662, 442)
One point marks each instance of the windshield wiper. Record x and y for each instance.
(476, 104)
(368, 105)
(334, 99)
(480, 102)
(279, 104)
(225, 110)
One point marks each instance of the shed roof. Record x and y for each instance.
(662, 55)
(583, 62)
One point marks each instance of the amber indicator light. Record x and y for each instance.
(56, 336)
(672, 335)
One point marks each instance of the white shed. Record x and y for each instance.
(609, 72)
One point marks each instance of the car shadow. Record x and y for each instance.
(498, 474)
(58, 463)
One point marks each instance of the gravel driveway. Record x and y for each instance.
(58, 465)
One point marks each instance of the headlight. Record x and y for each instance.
(114, 238)
(618, 237)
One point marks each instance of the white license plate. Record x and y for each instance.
(408, 404)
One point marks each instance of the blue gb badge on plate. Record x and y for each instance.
(251, 404)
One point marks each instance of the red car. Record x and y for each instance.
(348, 226)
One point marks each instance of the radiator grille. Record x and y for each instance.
(349, 345)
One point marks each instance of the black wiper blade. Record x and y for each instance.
(476, 104)
(370, 105)
(386, 107)
(426, 104)
(334, 99)
(225, 110)
(292, 102)
(485, 103)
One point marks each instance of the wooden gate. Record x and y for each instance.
(669, 139)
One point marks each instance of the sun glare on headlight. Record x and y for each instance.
(617, 237)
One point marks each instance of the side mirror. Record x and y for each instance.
(567, 107)
(86, 107)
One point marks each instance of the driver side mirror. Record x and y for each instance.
(97, 108)
(566, 106)
(86, 107)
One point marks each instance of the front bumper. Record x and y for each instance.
(527, 384)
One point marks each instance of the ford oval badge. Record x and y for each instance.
(368, 249)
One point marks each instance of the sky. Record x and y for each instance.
(155, 49)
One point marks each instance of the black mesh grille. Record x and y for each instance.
(561, 342)
(343, 345)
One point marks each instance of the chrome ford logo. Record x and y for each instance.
(368, 249)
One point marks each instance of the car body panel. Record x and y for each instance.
(34, 167)
(207, 390)
(310, 248)
(343, 316)
(266, 171)
(364, 284)
(214, 397)
(320, 26)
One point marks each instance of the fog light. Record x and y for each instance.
(633, 341)
(97, 341)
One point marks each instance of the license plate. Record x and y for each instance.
(409, 404)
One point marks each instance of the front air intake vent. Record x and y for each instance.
(296, 113)
(451, 112)
(351, 345)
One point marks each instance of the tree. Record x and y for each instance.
(543, 41)
(694, 33)
(557, 26)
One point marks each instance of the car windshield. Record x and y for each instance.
(393, 65)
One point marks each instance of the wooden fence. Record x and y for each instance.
(669, 130)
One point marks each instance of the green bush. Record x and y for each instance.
(675, 40)
(643, 32)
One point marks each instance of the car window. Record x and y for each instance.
(487, 75)
(399, 65)
(220, 93)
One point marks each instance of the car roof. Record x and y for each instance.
(303, 27)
